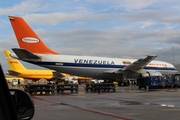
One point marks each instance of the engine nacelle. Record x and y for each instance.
(151, 73)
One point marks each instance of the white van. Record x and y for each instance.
(15, 82)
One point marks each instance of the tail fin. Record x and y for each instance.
(14, 64)
(27, 38)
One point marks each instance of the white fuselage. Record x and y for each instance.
(96, 67)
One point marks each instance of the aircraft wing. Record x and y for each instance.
(140, 63)
(23, 54)
(136, 66)
(12, 72)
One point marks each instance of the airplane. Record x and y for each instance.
(18, 70)
(33, 50)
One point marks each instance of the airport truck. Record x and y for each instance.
(159, 81)
(172, 81)
(148, 82)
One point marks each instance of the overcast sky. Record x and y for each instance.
(110, 28)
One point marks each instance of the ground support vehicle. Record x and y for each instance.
(148, 82)
(67, 87)
(162, 83)
(172, 81)
(159, 81)
(88, 87)
(177, 82)
(123, 83)
(41, 89)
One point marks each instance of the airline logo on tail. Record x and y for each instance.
(30, 40)
(13, 62)
(27, 38)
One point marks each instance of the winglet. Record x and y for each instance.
(27, 38)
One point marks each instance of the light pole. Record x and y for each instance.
(173, 54)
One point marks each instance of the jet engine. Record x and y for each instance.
(151, 73)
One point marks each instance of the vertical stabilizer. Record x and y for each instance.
(27, 38)
(14, 64)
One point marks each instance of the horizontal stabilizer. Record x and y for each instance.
(25, 55)
(12, 72)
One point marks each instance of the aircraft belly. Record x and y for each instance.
(167, 72)
(84, 71)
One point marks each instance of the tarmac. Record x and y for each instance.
(127, 103)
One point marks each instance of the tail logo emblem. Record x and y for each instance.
(30, 40)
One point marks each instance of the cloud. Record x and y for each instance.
(152, 15)
(54, 18)
(23, 8)
(131, 4)
(111, 42)
(125, 4)
(147, 24)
